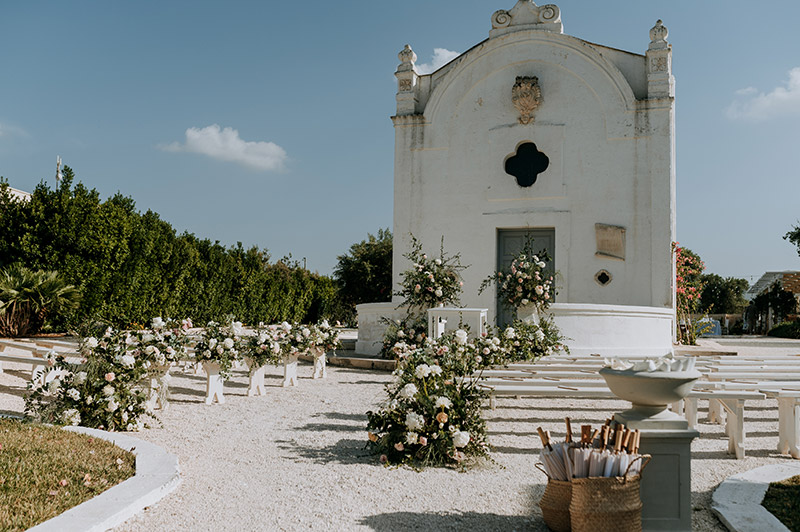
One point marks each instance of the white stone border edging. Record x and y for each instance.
(157, 474)
(737, 501)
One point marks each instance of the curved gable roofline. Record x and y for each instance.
(437, 83)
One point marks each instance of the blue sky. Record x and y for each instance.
(268, 122)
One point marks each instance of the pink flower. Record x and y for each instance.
(423, 441)
(399, 446)
(383, 459)
(110, 376)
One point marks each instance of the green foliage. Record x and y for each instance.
(131, 266)
(793, 236)
(723, 295)
(27, 298)
(364, 273)
(776, 298)
(782, 500)
(786, 329)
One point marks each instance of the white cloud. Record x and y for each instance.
(780, 101)
(441, 56)
(226, 145)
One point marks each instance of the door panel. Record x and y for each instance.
(509, 243)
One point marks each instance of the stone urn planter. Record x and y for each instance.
(651, 391)
(528, 314)
(256, 386)
(214, 383)
(290, 370)
(158, 387)
(320, 364)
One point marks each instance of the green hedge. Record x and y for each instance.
(131, 266)
(786, 329)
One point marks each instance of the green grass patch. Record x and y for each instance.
(783, 501)
(45, 471)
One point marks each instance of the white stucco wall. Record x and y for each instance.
(607, 125)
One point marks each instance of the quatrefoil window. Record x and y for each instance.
(527, 164)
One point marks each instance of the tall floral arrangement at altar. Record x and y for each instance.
(430, 281)
(103, 391)
(525, 281)
(219, 344)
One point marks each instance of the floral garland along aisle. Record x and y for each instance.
(432, 415)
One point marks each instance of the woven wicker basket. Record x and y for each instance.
(607, 503)
(555, 505)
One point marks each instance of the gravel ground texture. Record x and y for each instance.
(294, 459)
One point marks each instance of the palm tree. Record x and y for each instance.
(28, 297)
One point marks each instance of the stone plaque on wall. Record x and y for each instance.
(610, 241)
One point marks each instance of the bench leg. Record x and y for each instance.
(492, 401)
(794, 431)
(690, 411)
(715, 412)
(784, 424)
(735, 426)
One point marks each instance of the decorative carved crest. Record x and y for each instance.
(527, 97)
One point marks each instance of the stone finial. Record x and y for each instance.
(658, 36)
(526, 15)
(407, 55)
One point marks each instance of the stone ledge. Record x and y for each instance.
(737, 501)
(157, 474)
(360, 362)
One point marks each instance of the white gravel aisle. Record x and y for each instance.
(295, 460)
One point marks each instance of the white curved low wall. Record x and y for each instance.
(608, 330)
(615, 330)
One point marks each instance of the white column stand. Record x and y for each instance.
(290, 370)
(256, 386)
(214, 383)
(158, 388)
(320, 364)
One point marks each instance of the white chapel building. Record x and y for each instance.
(533, 132)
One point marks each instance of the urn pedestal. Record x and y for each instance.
(158, 387)
(320, 364)
(290, 370)
(256, 386)
(214, 383)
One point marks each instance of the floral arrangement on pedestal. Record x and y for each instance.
(218, 344)
(430, 282)
(164, 343)
(525, 282)
(265, 346)
(104, 391)
(327, 337)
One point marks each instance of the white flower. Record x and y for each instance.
(525, 301)
(212, 343)
(149, 350)
(124, 417)
(228, 343)
(147, 338)
(540, 264)
(306, 332)
(128, 361)
(461, 336)
(157, 323)
(435, 370)
(444, 402)
(510, 333)
(408, 391)
(53, 386)
(71, 416)
(539, 335)
(108, 390)
(411, 438)
(539, 290)
(220, 349)
(80, 377)
(286, 327)
(414, 421)
(112, 405)
(91, 342)
(460, 438)
(74, 394)
(438, 262)
(400, 334)
(422, 371)
(438, 292)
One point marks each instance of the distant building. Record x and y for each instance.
(788, 280)
(19, 194)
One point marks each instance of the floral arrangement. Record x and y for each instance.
(688, 288)
(165, 343)
(102, 392)
(403, 335)
(525, 282)
(220, 344)
(430, 282)
(327, 337)
(266, 346)
(432, 416)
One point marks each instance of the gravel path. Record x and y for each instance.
(295, 460)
